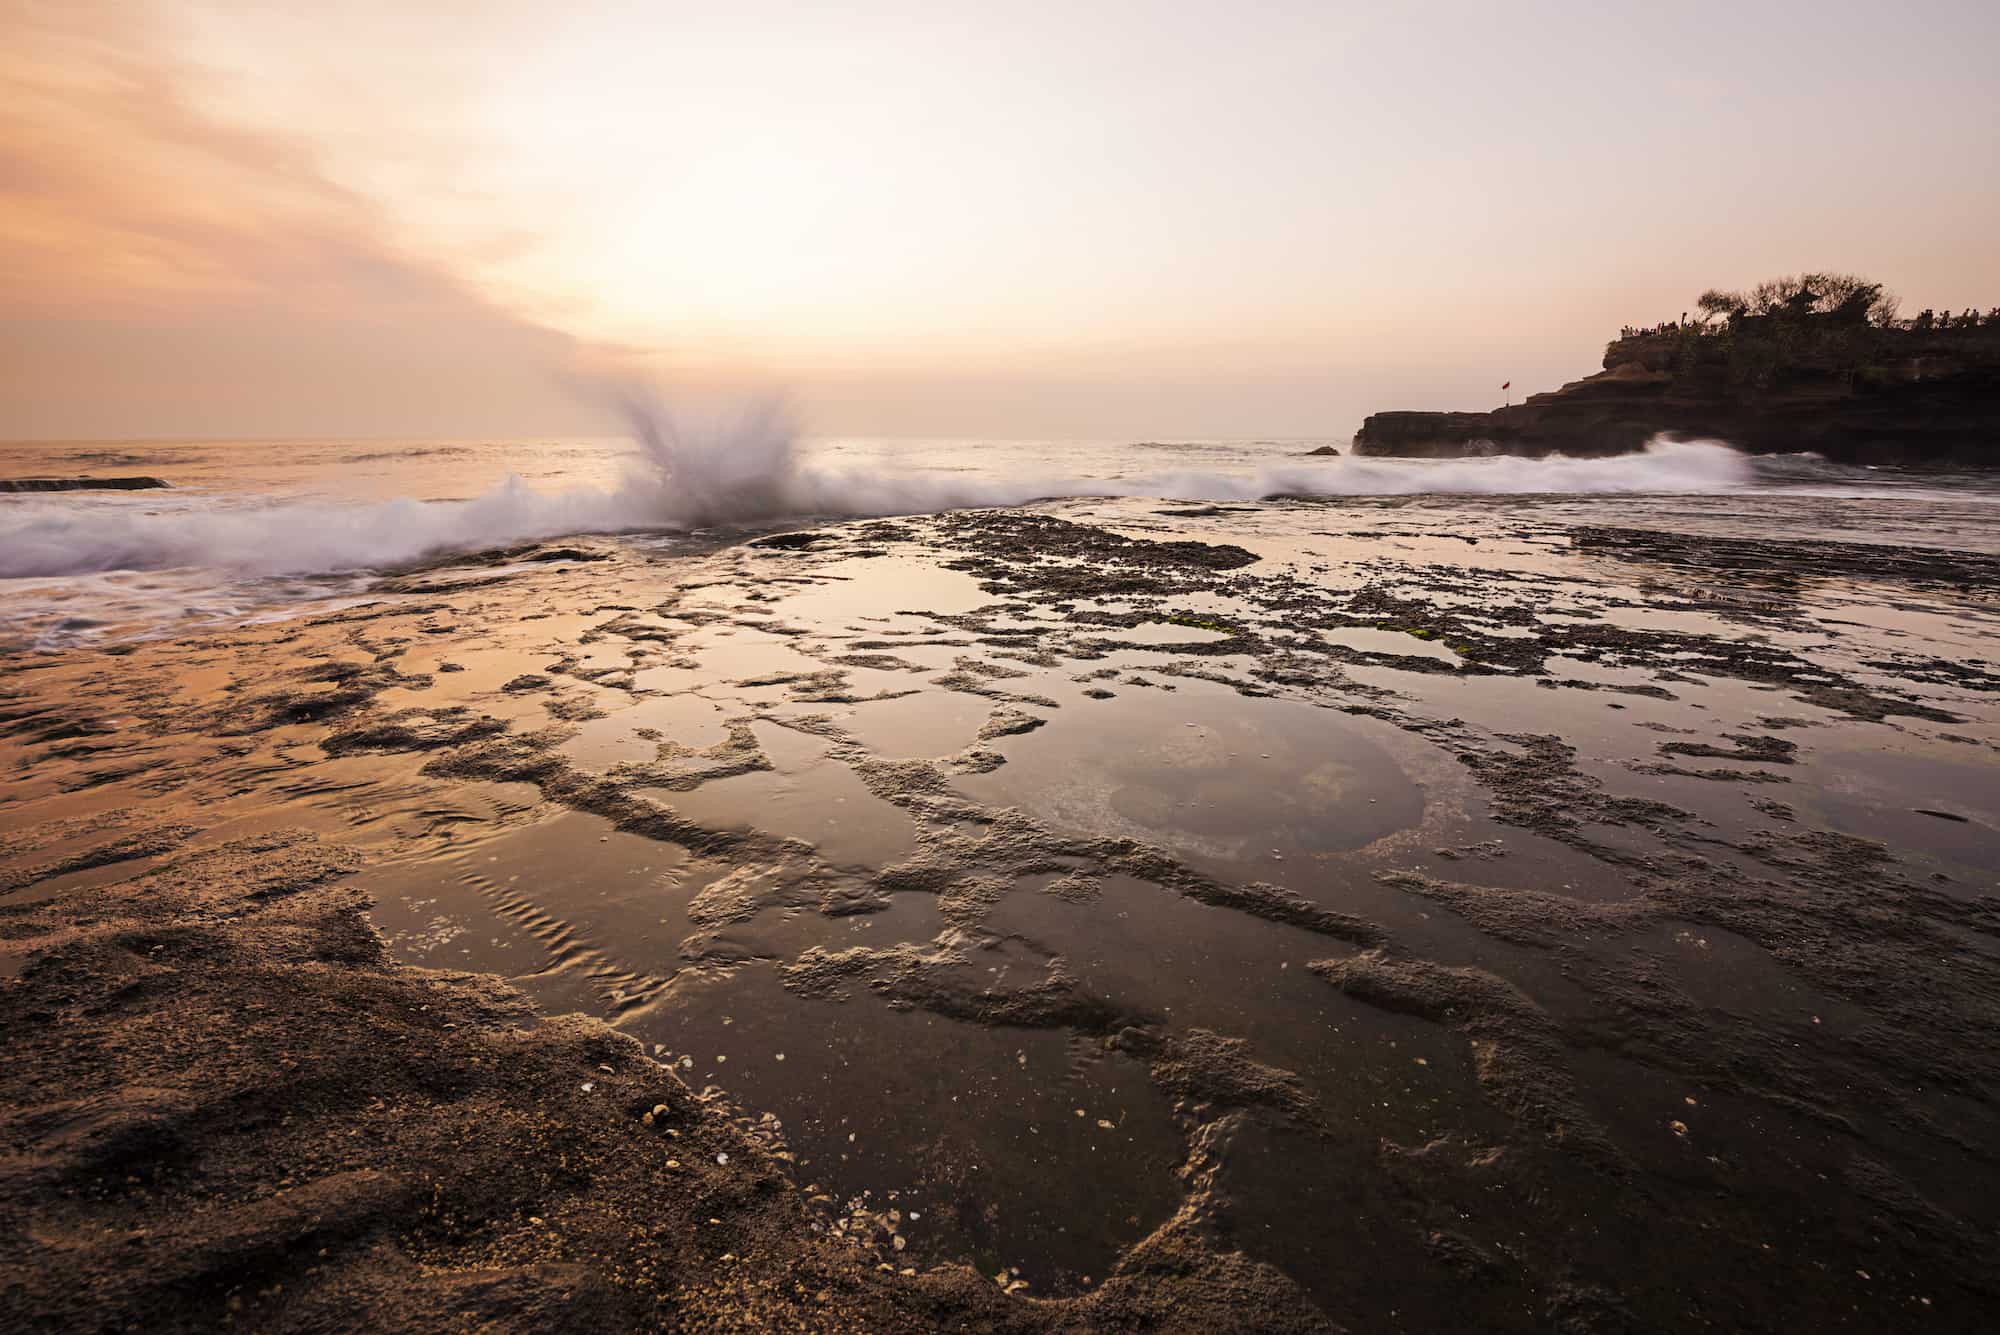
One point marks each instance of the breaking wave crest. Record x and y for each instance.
(746, 468)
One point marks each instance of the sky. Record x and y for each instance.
(1180, 218)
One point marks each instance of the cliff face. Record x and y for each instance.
(1849, 391)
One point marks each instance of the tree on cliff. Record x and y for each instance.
(1845, 297)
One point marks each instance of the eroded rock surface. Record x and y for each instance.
(1369, 914)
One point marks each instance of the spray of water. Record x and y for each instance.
(740, 468)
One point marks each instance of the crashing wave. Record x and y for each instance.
(746, 468)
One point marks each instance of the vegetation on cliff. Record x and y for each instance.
(1817, 323)
(1838, 296)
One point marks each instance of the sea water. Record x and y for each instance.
(265, 527)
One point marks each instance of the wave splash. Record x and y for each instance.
(744, 468)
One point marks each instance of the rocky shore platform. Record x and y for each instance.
(1407, 914)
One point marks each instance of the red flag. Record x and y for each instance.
(1508, 385)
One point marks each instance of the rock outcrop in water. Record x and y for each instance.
(16, 484)
(1795, 377)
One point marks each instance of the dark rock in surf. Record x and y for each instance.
(552, 554)
(788, 542)
(21, 484)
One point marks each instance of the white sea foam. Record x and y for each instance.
(743, 468)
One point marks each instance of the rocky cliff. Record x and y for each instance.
(1852, 391)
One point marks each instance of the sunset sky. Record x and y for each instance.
(441, 217)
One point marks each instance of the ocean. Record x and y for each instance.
(258, 528)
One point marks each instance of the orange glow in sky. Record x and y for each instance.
(942, 218)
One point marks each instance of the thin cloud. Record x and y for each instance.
(164, 267)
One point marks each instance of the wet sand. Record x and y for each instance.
(1403, 915)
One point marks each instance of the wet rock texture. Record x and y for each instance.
(1285, 917)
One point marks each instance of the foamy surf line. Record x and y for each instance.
(747, 473)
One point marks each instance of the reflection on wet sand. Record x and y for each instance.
(1436, 920)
